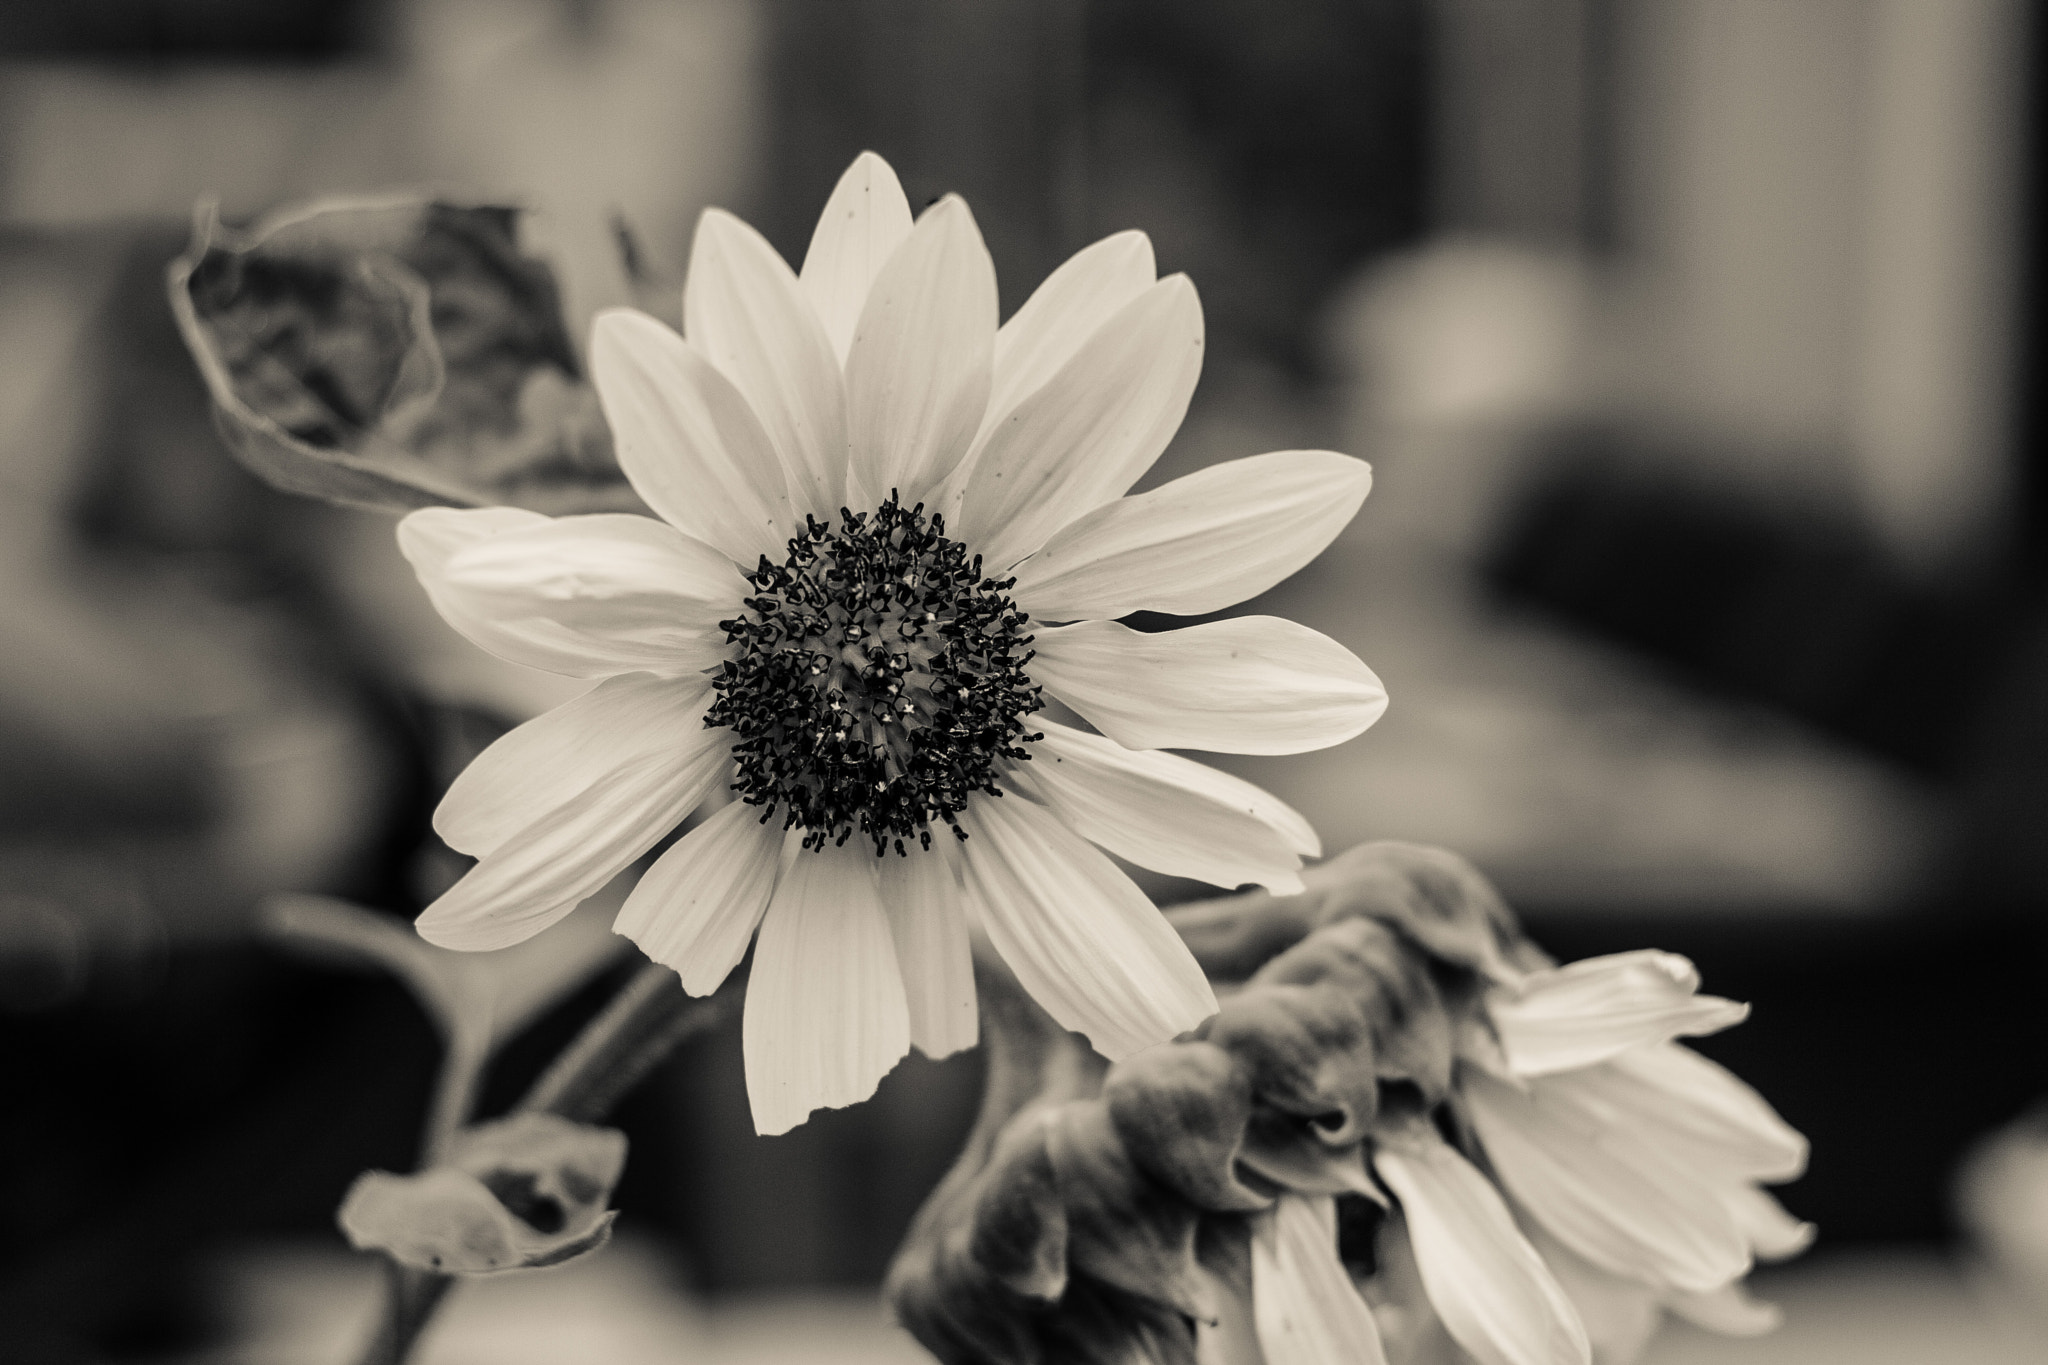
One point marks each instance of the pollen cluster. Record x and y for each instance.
(877, 680)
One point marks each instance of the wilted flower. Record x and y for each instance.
(1300, 1184)
(871, 498)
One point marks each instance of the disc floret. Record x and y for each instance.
(876, 680)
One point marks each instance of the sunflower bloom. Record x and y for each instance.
(887, 531)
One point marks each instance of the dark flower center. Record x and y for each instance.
(878, 680)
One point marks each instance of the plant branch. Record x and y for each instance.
(641, 1025)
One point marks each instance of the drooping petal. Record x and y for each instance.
(744, 311)
(1729, 1310)
(1162, 811)
(1088, 432)
(545, 870)
(1198, 544)
(1087, 290)
(1251, 685)
(1304, 1306)
(686, 438)
(593, 596)
(864, 222)
(917, 374)
(533, 768)
(1609, 1192)
(696, 909)
(825, 1016)
(928, 924)
(1772, 1233)
(1702, 1106)
(1078, 933)
(1592, 1010)
(1620, 1315)
(1496, 1297)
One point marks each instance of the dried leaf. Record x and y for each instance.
(519, 1193)
(394, 353)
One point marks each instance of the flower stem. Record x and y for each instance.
(643, 1023)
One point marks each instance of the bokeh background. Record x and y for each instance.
(1695, 343)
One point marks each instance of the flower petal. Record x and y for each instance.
(1306, 1310)
(1702, 1106)
(928, 924)
(1251, 685)
(696, 909)
(1198, 544)
(918, 371)
(745, 312)
(1161, 811)
(1620, 1315)
(596, 595)
(1496, 1297)
(535, 767)
(1729, 1310)
(825, 1017)
(432, 536)
(543, 872)
(687, 440)
(1594, 1009)
(864, 222)
(1088, 289)
(1608, 1191)
(1771, 1232)
(1087, 434)
(1078, 933)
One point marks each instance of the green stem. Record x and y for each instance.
(643, 1023)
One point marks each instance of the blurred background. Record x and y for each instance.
(1695, 344)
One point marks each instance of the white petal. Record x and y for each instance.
(592, 596)
(917, 373)
(1702, 1106)
(687, 440)
(1087, 434)
(696, 909)
(1078, 933)
(1072, 303)
(928, 923)
(1608, 1191)
(1162, 811)
(825, 1016)
(1197, 544)
(1306, 1309)
(1620, 1315)
(430, 537)
(1728, 1310)
(541, 873)
(1496, 1297)
(1591, 1010)
(530, 770)
(1771, 1232)
(864, 222)
(744, 311)
(1251, 685)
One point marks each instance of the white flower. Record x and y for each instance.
(1636, 1161)
(872, 504)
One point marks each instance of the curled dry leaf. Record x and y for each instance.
(514, 1194)
(394, 353)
